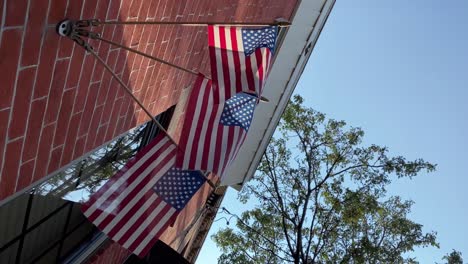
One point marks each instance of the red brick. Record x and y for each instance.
(64, 116)
(101, 133)
(117, 36)
(130, 120)
(110, 101)
(141, 117)
(108, 32)
(129, 63)
(10, 168)
(75, 67)
(71, 139)
(103, 52)
(145, 9)
(22, 103)
(135, 8)
(89, 9)
(132, 79)
(144, 85)
(164, 90)
(55, 157)
(160, 11)
(126, 104)
(190, 9)
(25, 174)
(152, 36)
(47, 62)
(4, 119)
(93, 129)
(113, 118)
(113, 10)
(15, 12)
(79, 147)
(119, 129)
(152, 107)
(153, 8)
(56, 91)
(34, 28)
(33, 131)
(179, 10)
(137, 60)
(125, 77)
(105, 84)
(139, 80)
(128, 34)
(9, 52)
(88, 109)
(74, 9)
(124, 10)
(155, 74)
(57, 10)
(119, 66)
(83, 86)
(101, 9)
(43, 152)
(66, 48)
(168, 10)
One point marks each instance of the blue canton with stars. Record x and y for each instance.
(178, 186)
(238, 110)
(258, 38)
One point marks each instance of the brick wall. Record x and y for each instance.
(111, 253)
(57, 103)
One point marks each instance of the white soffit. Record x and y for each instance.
(290, 61)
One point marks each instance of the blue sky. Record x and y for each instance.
(399, 70)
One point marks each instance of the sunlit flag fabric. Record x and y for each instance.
(213, 132)
(240, 58)
(138, 203)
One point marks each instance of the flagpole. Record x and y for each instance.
(280, 22)
(75, 30)
(129, 92)
(145, 55)
(205, 175)
(262, 99)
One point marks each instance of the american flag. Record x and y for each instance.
(240, 58)
(214, 132)
(138, 203)
(178, 186)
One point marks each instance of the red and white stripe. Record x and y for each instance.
(126, 208)
(207, 144)
(231, 70)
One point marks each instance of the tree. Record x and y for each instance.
(321, 198)
(455, 257)
(91, 172)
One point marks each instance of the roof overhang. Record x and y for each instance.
(296, 48)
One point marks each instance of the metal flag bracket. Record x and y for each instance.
(77, 30)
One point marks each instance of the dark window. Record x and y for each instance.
(45, 224)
